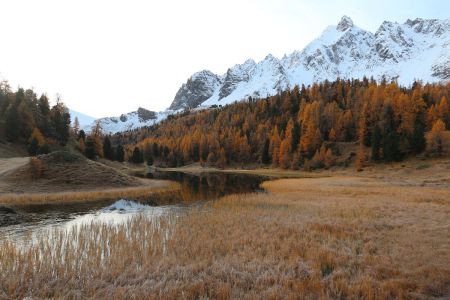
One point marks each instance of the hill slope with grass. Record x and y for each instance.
(62, 171)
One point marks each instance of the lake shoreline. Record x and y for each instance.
(79, 196)
(271, 173)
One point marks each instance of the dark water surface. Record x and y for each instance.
(195, 190)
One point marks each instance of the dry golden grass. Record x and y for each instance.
(326, 238)
(153, 187)
(267, 172)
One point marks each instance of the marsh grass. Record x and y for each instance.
(309, 239)
(140, 192)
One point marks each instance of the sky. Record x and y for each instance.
(108, 57)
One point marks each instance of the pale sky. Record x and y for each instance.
(108, 57)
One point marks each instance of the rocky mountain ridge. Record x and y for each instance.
(418, 49)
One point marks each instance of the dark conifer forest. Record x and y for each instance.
(27, 119)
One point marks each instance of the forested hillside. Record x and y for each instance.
(27, 119)
(299, 127)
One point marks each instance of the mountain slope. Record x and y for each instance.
(417, 49)
(136, 119)
(84, 120)
(197, 89)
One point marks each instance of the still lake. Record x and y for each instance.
(19, 222)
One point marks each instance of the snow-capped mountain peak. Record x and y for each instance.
(416, 49)
(199, 87)
(344, 24)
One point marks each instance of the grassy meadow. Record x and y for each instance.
(320, 238)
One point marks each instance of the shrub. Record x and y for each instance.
(44, 149)
(36, 167)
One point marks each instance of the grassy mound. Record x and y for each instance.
(63, 170)
(8, 150)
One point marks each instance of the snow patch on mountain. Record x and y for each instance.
(83, 120)
(133, 120)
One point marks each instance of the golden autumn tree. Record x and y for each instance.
(35, 141)
(436, 138)
(222, 159)
(360, 158)
(310, 140)
(328, 159)
(284, 157)
(37, 135)
(274, 145)
(432, 116)
(81, 145)
(332, 135)
(244, 150)
(96, 136)
(443, 110)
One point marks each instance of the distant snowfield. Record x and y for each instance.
(113, 125)
(83, 119)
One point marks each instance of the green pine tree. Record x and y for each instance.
(376, 143)
(12, 123)
(120, 154)
(265, 157)
(295, 137)
(81, 135)
(60, 121)
(391, 147)
(44, 149)
(89, 151)
(137, 157)
(33, 147)
(418, 141)
(150, 160)
(107, 149)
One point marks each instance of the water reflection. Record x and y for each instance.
(120, 212)
(210, 186)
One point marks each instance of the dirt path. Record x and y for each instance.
(8, 164)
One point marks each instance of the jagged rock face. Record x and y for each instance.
(438, 27)
(417, 49)
(123, 118)
(236, 75)
(197, 89)
(344, 24)
(442, 70)
(145, 115)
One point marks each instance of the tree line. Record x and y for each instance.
(28, 119)
(96, 145)
(300, 127)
